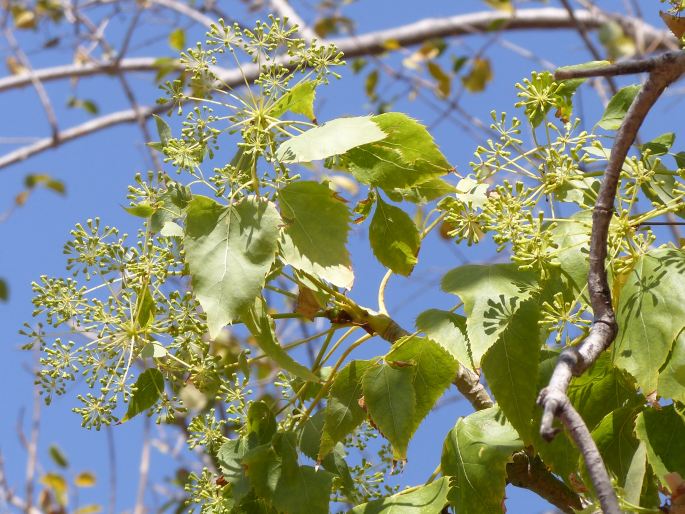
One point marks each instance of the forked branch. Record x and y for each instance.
(573, 361)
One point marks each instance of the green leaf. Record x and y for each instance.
(171, 229)
(390, 400)
(424, 192)
(145, 308)
(169, 207)
(659, 145)
(43, 179)
(343, 412)
(444, 81)
(229, 251)
(427, 499)
(261, 424)
(309, 442)
(141, 210)
(275, 474)
(406, 157)
(618, 107)
(163, 130)
(572, 238)
(58, 456)
(478, 76)
(370, 85)
(663, 432)
(153, 350)
(476, 453)
(333, 138)
(509, 364)
(434, 371)
(177, 39)
(672, 376)
(317, 224)
(299, 100)
(635, 477)
(261, 326)
(616, 442)
(394, 238)
(230, 457)
(663, 189)
(449, 331)
(4, 290)
(148, 389)
(651, 314)
(491, 295)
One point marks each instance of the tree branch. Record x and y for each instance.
(286, 11)
(374, 43)
(573, 361)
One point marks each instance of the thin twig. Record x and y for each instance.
(32, 447)
(574, 361)
(37, 84)
(143, 469)
(582, 32)
(112, 456)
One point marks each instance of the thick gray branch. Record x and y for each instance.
(663, 70)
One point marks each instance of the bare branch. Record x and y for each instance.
(573, 361)
(480, 22)
(186, 10)
(374, 43)
(89, 127)
(582, 31)
(286, 11)
(37, 84)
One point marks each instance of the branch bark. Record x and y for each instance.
(524, 471)
(574, 361)
(368, 44)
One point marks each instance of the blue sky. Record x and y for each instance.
(98, 169)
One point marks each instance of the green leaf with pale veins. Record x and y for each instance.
(663, 432)
(394, 238)
(229, 251)
(406, 157)
(148, 389)
(449, 331)
(476, 453)
(315, 234)
(616, 442)
(333, 138)
(261, 326)
(435, 369)
(299, 100)
(427, 499)
(510, 363)
(491, 293)
(650, 314)
(343, 412)
(672, 376)
(572, 237)
(617, 107)
(390, 401)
